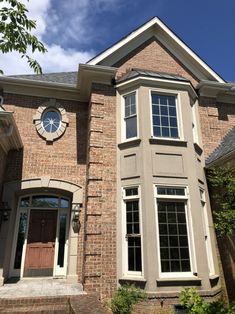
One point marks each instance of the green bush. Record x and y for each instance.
(125, 297)
(195, 304)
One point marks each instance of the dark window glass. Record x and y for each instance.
(45, 201)
(131, 127)
(170, 191)
(51, 121)
(133, 232)
(20, 239)
(62, 232)
(64, 203)
(24, 202)
(130, 116)
(164, 116)
(174, 249)
(131, 191)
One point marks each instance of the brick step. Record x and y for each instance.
(82, 304)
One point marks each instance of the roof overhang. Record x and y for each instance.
(221, 91)
(21, 86)
(159, 83)
(221, 161)
(89, 74)
(156, 28)
(9, 134)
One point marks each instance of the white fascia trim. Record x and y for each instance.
(123, 42)
(133, 35)
(168, 83)
(215, 89)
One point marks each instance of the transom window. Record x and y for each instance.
(164, 116)
(173, 230)
(44, 201)
(130, 116)
(133, 234)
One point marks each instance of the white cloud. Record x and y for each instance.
(61, 26)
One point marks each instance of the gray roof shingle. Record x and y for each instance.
(139, 72)
(226, 146)
(60, 77)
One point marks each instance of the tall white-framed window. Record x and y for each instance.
(165, 115)
(206, 233)
(132, 231)
(175, 251)
(130, 116)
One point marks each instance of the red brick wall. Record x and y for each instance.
(100, 246)
(152, 55)
(64, 159)
(216, 120)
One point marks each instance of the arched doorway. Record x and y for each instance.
(40, 246)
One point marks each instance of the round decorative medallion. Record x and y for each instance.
(51, 120)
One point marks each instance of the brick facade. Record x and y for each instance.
(216, 119)
(87, 155)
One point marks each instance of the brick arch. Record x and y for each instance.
(11, 188)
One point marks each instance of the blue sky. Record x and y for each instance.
(76, 30)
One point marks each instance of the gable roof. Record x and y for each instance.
(225, 148)
(156, 28)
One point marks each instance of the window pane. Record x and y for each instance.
(45, 201)
(131, 127)
(20, 239)
(64, 203)
(170, 191)
(174, 249)
(134, 254)
(164, 116)
(62, 233)
(24, 202)
(130, 106)
(131, 191)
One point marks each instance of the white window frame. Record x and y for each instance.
(123, 121)
(206, 231)
(191, 246)
(164, 92)
(127, 273)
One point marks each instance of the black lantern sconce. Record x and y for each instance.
(4, 212)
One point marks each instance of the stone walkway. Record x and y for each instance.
(39, 287)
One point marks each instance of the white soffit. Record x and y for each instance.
(155, 27)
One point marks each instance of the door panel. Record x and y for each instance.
(39, 260)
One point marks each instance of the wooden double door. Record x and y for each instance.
(40, 249)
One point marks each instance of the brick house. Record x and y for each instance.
(102, 170)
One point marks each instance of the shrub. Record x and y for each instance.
(125, 297)
(195, 304)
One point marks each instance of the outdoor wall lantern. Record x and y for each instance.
(75, 217)
(4, 212)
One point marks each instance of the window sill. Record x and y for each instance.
(214, 280)
(168, 142)
(131, 143)
(132, 279)
(187, 281)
